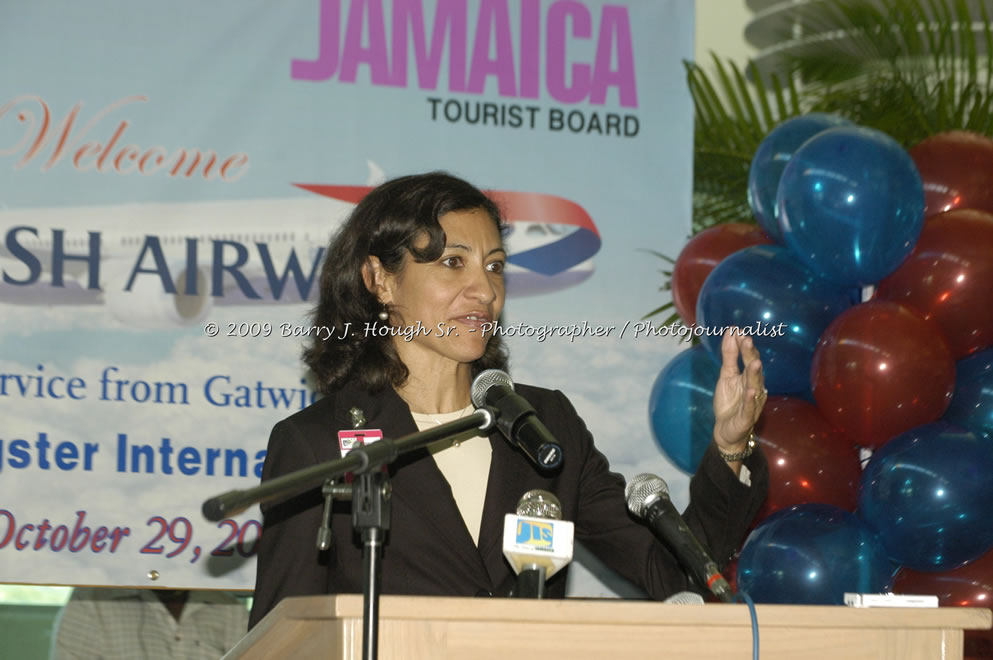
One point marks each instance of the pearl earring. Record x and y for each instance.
(384, 314)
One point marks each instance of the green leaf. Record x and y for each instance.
(659, 310)
(658, 254)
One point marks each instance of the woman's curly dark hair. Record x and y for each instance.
(385, 224)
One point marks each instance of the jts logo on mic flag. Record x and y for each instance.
(537, 542)
(351, 438)
(535, 535)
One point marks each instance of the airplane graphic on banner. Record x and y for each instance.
(161, 264)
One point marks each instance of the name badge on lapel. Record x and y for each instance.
(351, 438)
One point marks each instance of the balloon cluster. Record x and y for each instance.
(877, 264)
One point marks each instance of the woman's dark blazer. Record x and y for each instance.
(429, 550)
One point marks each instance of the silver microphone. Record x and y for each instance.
(539, 503)
(648, 498)
(531, 578)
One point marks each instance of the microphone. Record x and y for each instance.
(517, 419)
(536, 542)
(648, 498)
(538, 503)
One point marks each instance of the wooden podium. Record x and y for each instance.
(421, 627)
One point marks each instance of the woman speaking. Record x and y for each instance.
(425, 253)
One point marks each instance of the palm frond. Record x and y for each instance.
(672, 318)
(658, 254)
(911, 68)
(733, 115)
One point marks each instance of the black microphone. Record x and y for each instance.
(648, 498)
(517, 419)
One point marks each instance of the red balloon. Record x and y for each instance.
(970, 585)
(879, 370)
(947, 278)
(809, 460)
(956, 168)
(701, 254)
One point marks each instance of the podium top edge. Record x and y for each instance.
(613, 611)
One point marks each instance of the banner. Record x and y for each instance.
(170, 176)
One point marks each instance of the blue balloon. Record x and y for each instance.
(928, 493)
(972, 403)
(770, 160)
(681, 407)
(811, 554)
(851, 204)
(767, 285)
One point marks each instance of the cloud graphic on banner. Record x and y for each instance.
(616, 409)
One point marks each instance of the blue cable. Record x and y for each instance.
(747, 600)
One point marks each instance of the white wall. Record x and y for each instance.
(720, 27)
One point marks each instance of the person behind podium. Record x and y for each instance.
(426, 252)
(147, 624)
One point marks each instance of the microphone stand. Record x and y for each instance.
(371, 517)
(371, 493)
